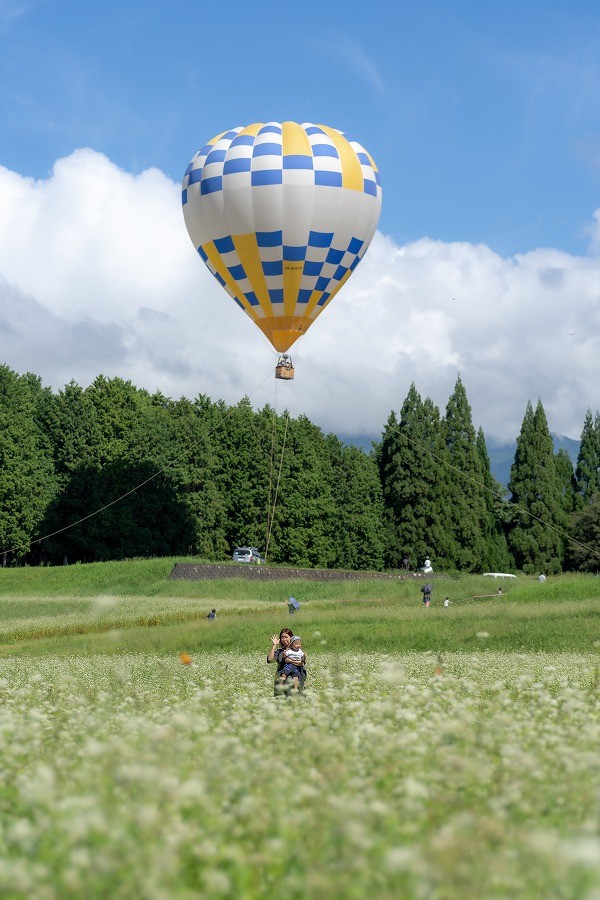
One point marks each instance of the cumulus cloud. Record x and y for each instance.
(97, 275)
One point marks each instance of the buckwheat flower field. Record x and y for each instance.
(393, 775)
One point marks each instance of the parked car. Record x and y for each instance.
(248, 555)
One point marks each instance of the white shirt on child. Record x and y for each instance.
(294, 656)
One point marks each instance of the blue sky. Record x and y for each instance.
(484, 120)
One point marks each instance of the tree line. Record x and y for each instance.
(111, 472)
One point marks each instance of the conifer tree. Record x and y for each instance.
(587, 472)
(27, 481)
(497, 557)
(387, 455)
(435, 461)
(196, 450)
(583, 553)
(534, 540)
(359, 533)
(410, 459)
(566, 481)
(305, 514)
(243, 475)
(466, 512)
(112, 445)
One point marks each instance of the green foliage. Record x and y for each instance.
(466, 518)
(243, 476)
(470, 774)
(583, 551)
(194, 460)
(535, 538)
(358, 531)
(305, 515)
(411, 461)
(45, 609)
(112, 472)
(587, 472)
(497, 558)
(27, 479)
(566, 481)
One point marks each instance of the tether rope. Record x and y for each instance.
(271, 459)
(273, 507)
(137, 487)
(271, 517)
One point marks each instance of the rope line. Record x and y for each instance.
(271, 516)
(132, 490)
(271, 460)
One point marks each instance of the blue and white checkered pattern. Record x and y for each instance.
(282, 215)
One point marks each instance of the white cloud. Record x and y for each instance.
(97, 275)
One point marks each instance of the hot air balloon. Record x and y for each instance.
(282, 214)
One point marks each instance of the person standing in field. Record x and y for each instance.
(426, 591)
(276, 654)
(294, 659)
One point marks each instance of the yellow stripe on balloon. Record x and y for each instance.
(283, 332)
(352, 176)
(339, 284)
(308, 309)
(292, 280)
(247, 250)
(252, 130)
(371, 160)
(213, 255)
(312, 309)
(295, 140)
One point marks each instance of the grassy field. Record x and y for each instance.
(436, 753)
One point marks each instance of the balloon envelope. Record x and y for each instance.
(282, 214)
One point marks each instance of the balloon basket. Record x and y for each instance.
(284, 368)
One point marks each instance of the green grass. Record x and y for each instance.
(440, 753)
(132, 606)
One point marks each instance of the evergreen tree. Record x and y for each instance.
(435, 462)
(305, 512)
(118, 496)
(411, 466)
(27, 480)
(583, 553)
(358, 535)
(466, 515)
(587, 472)
(533, 539)
(497, 557)
(566, 481)
(195, 471)
(243, 476)
(388, 459)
